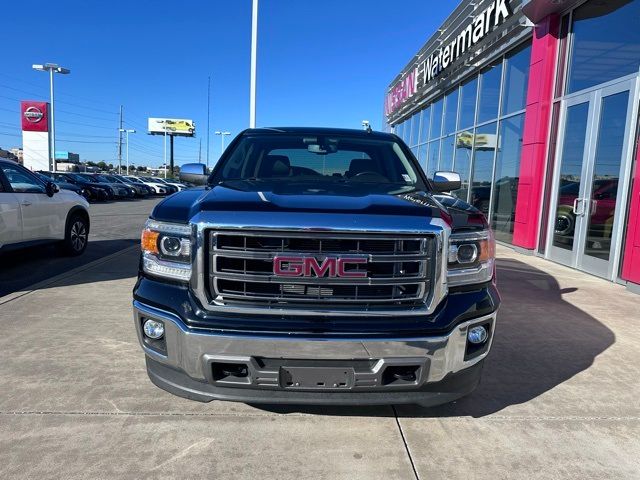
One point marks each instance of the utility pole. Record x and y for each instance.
(254, 53)
(121, 129)
(208, 117)
(200, 152)
(170, 155)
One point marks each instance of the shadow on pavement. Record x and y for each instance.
(22, 268)
(541, 341)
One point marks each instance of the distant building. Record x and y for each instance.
(67, 157)
(8, 155)
(19, 154)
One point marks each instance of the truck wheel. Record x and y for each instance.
(76, 235)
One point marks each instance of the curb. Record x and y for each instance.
(75, 271)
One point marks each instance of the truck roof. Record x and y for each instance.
(320, 131)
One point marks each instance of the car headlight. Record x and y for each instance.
(471, 258)
(166, 250)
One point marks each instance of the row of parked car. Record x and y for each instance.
(99, 187)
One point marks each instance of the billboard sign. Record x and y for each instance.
(34, 116)
(172, 126)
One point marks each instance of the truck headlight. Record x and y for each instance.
(166, 250)
(471, 258)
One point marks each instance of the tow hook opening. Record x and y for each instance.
(230, 372)
(400, 375)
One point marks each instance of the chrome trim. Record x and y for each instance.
(308, 224)
(190, 349)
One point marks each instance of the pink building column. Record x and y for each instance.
(631, 259)
(537, 123)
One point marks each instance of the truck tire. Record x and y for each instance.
(76, 235)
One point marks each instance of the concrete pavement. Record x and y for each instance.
(559, 397)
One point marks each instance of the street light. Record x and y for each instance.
(254, 55)
(127, 131)
(52, 68)
(222, 135)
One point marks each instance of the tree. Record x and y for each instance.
(102, 165)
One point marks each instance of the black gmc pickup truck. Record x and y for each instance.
(316, 266)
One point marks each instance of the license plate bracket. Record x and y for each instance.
(316, 378)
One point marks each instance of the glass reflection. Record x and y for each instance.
(507, 176)
(516, 80)
(570, 175)
(489, 93)
(468, 95)
(484, 147)
(451, 111)
(604, 191)
(606, 43)
(436, 119)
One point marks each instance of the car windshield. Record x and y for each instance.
(73, 176)
(318, 164)
(89, 178)
(132, 180)
(102, 179)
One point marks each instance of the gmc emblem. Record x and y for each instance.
(310, 267)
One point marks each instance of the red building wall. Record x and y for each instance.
(631, 259)
(536, 132)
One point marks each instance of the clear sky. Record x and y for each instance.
(320, 63)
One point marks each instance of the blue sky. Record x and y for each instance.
(321, 63)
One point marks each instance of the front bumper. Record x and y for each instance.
(438, 369)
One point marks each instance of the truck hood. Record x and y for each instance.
(312, 209)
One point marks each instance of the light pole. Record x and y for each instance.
(127, 132)
(254, 53)
(222, 135)
(52, 68)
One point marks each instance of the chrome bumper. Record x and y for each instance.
(193, 352)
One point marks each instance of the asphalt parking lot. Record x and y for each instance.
(559, 397)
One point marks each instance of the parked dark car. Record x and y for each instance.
(118, 191)
(64, 185)
(96, 193)
(141, 190)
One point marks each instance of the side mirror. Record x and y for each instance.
(195, 173)
(446, 181)
(50, 188)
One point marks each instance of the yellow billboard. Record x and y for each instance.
(172, 126)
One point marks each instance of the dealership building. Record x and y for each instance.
(535, 104)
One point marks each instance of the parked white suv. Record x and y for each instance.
(33, 211)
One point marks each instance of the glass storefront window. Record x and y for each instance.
(415, 125)
(516, 80)
(606, 43)
(436, 119)
(422, 156)
(433, 153)
(489, 93)
(447, 151)
(507, 174)
(451, 111)
(484, 148)
(425, 124)
(398, 129)
(468, 94)
(464, 148)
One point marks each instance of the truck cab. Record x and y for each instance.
(316, 266)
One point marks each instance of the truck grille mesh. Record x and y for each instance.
(399, 269)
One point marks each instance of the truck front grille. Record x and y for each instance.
(398, 271)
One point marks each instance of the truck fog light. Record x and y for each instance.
(153, 329)
(477, 335)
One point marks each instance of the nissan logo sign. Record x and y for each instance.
(33, 114)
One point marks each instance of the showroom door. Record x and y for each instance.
(592, 169)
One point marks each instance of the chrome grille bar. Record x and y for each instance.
(399, 268)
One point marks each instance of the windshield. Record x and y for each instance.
(318, 164)
(89, 178)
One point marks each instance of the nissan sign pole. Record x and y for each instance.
(52, 68)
